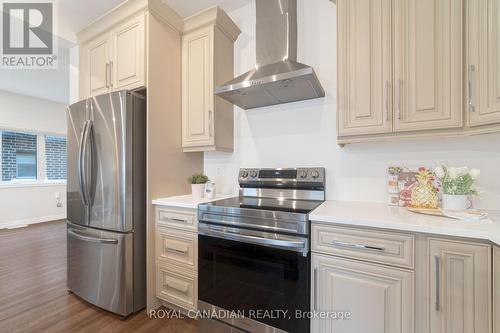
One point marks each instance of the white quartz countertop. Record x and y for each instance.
(379, 215)
(187, 201)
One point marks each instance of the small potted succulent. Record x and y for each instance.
(457, 186)
(198, 182)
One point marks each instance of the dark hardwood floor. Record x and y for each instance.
(33, 296)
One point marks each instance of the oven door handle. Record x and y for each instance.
(295, 245)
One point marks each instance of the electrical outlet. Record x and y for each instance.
(219, 171)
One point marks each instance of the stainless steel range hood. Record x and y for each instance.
(278, 77)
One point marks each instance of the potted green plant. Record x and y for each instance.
(457, 186)
(198, 182)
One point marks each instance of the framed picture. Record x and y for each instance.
(401, 181)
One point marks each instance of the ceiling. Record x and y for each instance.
(74, 15)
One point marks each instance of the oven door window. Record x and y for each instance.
(246, 277)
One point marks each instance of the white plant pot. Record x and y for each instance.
(198, 191)
(456, 202)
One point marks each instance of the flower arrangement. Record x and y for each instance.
(457, 181)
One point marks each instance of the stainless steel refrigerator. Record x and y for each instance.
(106, 197)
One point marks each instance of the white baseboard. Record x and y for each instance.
(25, 222)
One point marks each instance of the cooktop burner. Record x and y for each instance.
(282, 205)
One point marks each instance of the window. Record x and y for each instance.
(26, 156)
(55, 157)
(19, 155)
(26, 165)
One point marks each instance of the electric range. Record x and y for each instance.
(254, 252)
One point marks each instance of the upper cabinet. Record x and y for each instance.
(207, 61)
(128, 69)
(114, 60)
(364, 67)
(403, 69)
(427, 64)
(483, 62)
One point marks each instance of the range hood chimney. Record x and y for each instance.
(278, 77)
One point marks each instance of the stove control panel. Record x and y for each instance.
(284, 175)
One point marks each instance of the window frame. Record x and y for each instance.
(41, 172)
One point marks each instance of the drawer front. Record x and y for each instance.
(178, 219)
(176, 286)
(376, 246)
(177, 248)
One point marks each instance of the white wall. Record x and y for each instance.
(31, 203)
(304, 133)
(31, 114)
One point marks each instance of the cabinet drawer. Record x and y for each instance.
(176, 286)
(177, 248)
(376, 246)
(177, 219)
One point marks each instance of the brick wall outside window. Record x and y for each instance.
(12, 143)
(55, 155)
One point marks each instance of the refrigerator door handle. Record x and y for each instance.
(92, 239)
(81, 164)
(91, 188)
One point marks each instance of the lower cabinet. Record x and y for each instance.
(379, 298)
(459, 287)
(176, 247)
(496, 290)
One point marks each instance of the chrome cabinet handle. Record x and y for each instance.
(358, 246)
(178, 220)
(386, 102)
(107, 75)
(438, 283)
(315, 289)
(472, 72)
(111, 73)
(210, 122)
(168, 248)
(398, 92)
(92, 239)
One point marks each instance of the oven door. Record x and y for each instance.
(240, 276)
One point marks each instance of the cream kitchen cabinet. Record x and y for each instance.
(115, 59)
(176, 256)
(94, 76)
(364, 67)
(379, 298)
(411, 69)
(400, 66)
(496, 290)
(207, 61)
(483, 62)
(459, 287)
(428, 64)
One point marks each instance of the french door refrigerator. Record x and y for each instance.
(106, 201)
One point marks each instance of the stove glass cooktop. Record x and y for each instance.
(286, 205)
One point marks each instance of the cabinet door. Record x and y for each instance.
(364, 67)
(428, 62)
(128, 54)
(97, 54)
(484, 62)
(496, 290)
(197, 88)
(379, 298)
(460, 287)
